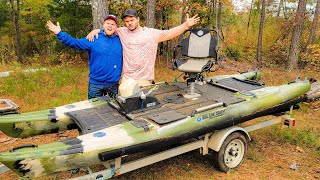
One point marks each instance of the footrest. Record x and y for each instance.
(94, 119)
(8, 107)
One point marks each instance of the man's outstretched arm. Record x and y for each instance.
(176, 31)
(66, 39)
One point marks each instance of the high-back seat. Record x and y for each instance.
(198, 54)
(198, 50)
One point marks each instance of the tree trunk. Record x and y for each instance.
(151, 11)
(279, 8)
(16, 14)
(292, 60)
(259, 48)
(183, 19)
(219, 14)
(313, 26)
(211, 7)
(249, 18)
(284, 9)
(133, 4)
(99, 11)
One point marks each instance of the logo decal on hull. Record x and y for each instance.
(210, 115)
(99, 134)
(199, 119)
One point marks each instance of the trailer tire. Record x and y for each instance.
(231, 153)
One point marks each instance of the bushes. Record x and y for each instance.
(311, 58)
(234, 52)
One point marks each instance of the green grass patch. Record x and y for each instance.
(307, 137)
(254, 153)
(55, 86)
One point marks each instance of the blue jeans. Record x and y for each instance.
(97, 90)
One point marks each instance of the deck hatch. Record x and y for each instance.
(240, 85)
(166, 117)
(94, 119)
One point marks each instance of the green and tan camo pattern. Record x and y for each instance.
(40, 122)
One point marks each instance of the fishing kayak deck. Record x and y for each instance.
(171, 104)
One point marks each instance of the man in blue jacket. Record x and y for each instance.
(105, 56)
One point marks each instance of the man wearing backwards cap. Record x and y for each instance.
(140, 45)
(105, 56)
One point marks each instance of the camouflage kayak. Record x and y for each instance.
(55, 120)
(44, 121)
(165, 117)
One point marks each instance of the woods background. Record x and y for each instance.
(273, 35)
(266, 33)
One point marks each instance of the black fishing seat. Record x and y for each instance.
(198, 51)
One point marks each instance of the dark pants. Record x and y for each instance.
(97, 90)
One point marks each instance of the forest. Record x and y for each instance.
(266, 33)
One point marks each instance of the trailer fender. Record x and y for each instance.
(217, 138)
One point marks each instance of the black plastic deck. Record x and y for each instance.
(240, 85)
(173, 106)
(94, 119)
(214, 93)
(166, 117)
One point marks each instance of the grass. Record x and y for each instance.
(255, 154)
(43, 89)
(307, 137)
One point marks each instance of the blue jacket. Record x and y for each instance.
(105, 56)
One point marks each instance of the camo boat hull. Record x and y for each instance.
(44, 121)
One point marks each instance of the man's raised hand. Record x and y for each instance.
(53, 28)
(192, 21)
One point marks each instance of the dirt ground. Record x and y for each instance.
(266, 158)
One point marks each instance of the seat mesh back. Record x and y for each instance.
(200, 46)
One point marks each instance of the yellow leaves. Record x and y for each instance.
(314, 51)
(312, 57)
(34, 6)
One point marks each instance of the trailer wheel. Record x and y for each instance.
(231, 153)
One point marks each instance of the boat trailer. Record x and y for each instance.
(230, 144)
